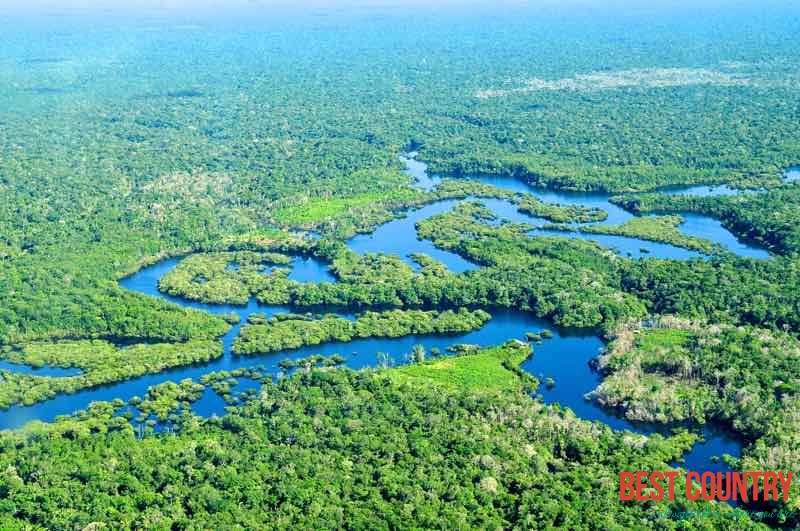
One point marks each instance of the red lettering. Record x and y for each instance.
(785, 482)
(626, 486)
(739, 487)
(755, 476)
(724, 487)
(671, 476)
(691, 495)
(708, 485)
(640, 486)
(770, 486)
(654, 481)
(657, 485)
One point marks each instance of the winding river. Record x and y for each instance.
(564, 358)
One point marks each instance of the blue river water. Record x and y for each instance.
(399, 237)
(702, 190)
(791, 175)
(56, 372)
(306, 269)
(696, 225)
(565, 358)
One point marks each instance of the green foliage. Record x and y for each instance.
(488, 371)
(102, 363)
(383, 447)
(525, 202)
(96, 176)
(770, 218)
(163, 400)
(227, 277)
(346, 216)
(107, 313)
(111, 161)
(317, 211)
(282, 334)
(746, 377)
(560, 213)
(722, 289)
(574, 283)
(662, 229)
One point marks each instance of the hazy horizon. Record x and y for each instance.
(197, 7)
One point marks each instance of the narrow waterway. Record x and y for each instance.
(564, 358)
(696, 225)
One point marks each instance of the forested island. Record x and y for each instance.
(396, 267)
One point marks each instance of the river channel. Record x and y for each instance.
(564, 358)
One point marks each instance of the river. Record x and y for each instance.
(564, 358)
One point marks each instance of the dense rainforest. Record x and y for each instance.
(675, 370)
(768, 217)
(459, 445)
(246, 144)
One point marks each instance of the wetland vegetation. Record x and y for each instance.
(175, 192)
(283, 333)
(100, 362)
(675, 370)
(653, 228)
(511, 461)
